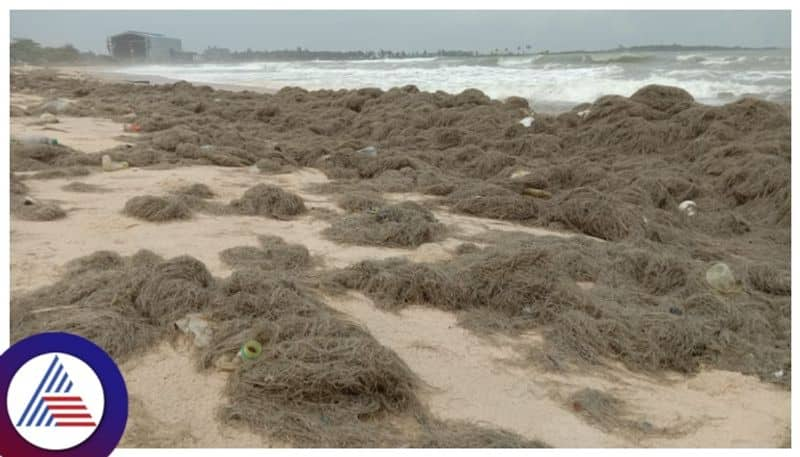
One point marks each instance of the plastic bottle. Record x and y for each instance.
(720, 277)
(36, 139)
(110, 165)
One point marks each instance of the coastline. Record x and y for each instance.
(110, 74)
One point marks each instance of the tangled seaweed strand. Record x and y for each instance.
(321, 380)
(405, 224)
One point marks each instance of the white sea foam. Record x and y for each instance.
(545, 79)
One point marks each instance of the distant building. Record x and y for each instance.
(216, 54)
(143, 46)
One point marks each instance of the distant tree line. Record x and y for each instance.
(24, 50)
(300, 53)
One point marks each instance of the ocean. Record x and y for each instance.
(551, 82)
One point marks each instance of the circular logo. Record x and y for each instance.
(60, 394)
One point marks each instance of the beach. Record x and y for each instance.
(430, 265)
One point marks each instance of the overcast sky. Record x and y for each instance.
(410, 30)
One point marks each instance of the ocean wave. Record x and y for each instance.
(723, 60)
(625, 58)
(694, 58)
(543, 78)
(516, 61)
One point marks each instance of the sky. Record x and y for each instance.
(410, 30)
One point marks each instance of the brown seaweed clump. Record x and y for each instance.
(611, 414)
(646, 307)
(35, 210)
(405, 224)
(595, 214)
(327, 380)
(521, 286)
(157, 209)
(492, 201)
(122, 304)
(82, 187)
(56, 173)
(198, 190)
(272, 254)
(29, 209)
(270, 201)
(355, 202)
(321, 380)
(770, 280)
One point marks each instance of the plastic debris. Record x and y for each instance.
(132, 128)
(56, 106)
(110, 165)
(196, 325)
(527, 121)
(675, 310)
(47, 118)
(520, 174)
(537, 193)
(369, 151)
(584, 113)
(250, 350)
(36, 139)
(720, 277)
(688, 207)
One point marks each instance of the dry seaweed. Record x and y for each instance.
(615, 169)
(157, 209)
(95, 299)
(595, 214)
(606, 412)
(68, 172)
(402, 225)
(82, 187)
(270, 201)
(198, 190)
(36, 210)
(360, 201)
(648, 309)
(272, 254)
(768, 279)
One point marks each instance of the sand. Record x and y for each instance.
(468, 376)
(181, 411)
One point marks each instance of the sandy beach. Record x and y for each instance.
(573, 201)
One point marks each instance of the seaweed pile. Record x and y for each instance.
(619, 173)
(321, 379)
(260, 200)
(648, 307)
(405, 224)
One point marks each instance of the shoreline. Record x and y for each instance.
(106, 74)
(118, 75)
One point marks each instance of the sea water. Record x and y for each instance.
(552, 82)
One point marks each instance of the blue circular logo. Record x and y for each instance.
(60, 394)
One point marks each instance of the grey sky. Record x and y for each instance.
(411, 30)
